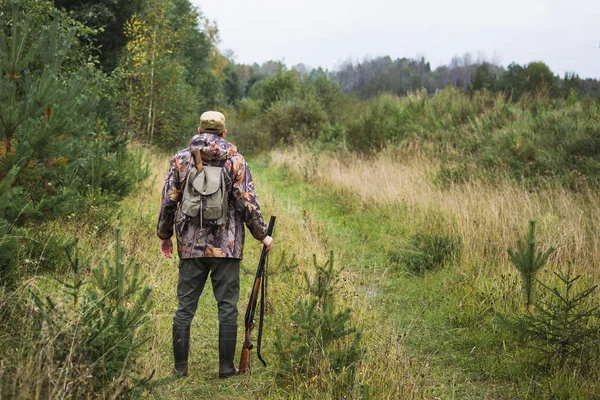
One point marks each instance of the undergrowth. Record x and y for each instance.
(83, 341)
(324, 350)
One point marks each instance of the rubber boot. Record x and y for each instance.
(227, 341)
(181, 347)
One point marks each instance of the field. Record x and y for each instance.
(437, 235)
(424, 334)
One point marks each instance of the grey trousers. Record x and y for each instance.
(225, 277)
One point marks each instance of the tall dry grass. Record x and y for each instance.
(488, 217)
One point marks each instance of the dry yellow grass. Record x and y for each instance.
(487, 217)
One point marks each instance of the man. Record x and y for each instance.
(205, 249)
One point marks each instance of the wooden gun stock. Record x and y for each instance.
(245, 359)
(197, 159)
(249, 318)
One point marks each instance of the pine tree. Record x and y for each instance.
(8, 242)
(561, 328)
(45, 113)
(115, 311)
(323, 342)
(97, 340)
(52, 128)
(529, 261)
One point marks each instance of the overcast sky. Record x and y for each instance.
(565, 34)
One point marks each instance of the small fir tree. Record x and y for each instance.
(563, 328)
(98, 340)
(323, 341)
(528, 262)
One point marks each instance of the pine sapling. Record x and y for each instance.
(561, 328)
(528, 262)
(324, 342)
(74, 288)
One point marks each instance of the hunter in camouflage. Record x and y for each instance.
(224, 241)
(210, 250)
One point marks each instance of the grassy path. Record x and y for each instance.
(451, 355)
(421, 341)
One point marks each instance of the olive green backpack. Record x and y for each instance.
(205, 194)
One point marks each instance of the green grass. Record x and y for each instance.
(447, 319)
(441, 325)
(426, 310)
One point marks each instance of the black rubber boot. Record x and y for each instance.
(227, 341)
(181, 347)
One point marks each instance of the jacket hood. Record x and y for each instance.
(212, 147)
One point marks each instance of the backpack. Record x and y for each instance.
(205, 195)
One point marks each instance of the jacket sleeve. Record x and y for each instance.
(171, 196)
(246, 199)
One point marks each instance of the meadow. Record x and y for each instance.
(435, 334)
(433, 241)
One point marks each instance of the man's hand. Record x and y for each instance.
(166, 247)
(268, 242)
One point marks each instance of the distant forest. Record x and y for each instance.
(401, 76)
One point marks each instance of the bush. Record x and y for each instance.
(294, 119)
(245, 130)
(326, 91)
(275, 87)
(430, 252)
(377, 127)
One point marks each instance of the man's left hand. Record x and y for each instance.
(268, 242)
(166, 247)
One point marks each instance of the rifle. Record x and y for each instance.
(249, 318)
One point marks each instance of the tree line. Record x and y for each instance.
(402, 76)
(81, 78)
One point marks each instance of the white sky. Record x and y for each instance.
(565, 34)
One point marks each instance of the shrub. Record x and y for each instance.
(429, 252)
(294, 119)
(275, 87)
(373, 130)
(326, 91)
(245, 130)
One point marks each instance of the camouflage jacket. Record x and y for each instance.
(226, 240)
